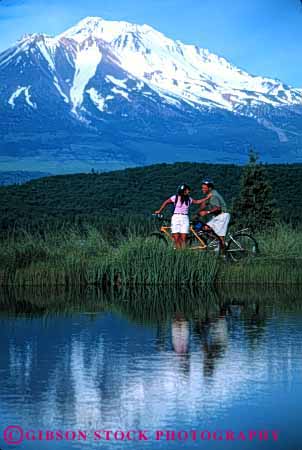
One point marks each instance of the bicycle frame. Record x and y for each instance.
(232, 236)
(201, 243)
(165, 230)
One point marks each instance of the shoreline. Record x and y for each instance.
(72, 258)
(257, 272)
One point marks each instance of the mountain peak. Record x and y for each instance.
(123, 82)
(107, 30)
(186, 72)
(90, 22)
(31, 37)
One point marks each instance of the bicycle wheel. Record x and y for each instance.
(211, 243)
(241, 246)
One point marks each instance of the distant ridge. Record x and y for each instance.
(19, 177)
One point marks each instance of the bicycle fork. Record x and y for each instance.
(236, 242)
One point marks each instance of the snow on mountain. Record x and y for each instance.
(175, 71)
(19, 91)
(188, 72)
(86, 62)
(114, 92)
(97, 99)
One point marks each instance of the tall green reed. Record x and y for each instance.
(83, 256)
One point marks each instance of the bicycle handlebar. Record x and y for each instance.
(158, 216)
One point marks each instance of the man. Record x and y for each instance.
(214, 211)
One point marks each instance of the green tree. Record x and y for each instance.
(255, 207)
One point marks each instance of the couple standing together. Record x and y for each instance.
(212, 209)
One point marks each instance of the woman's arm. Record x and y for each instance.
(166, 202)
(201, 201)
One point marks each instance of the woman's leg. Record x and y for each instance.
(184, 231)
(176, 239)
(175, 225)
(182, 240)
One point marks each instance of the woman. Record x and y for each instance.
(180, 219)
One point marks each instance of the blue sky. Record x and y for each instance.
(263, 37)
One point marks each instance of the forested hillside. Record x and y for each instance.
(135, 191)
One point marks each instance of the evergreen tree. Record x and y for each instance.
(255, 207)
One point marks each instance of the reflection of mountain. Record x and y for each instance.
(86, 370)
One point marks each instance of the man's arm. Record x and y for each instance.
(214, 210)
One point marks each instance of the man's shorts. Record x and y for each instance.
(220, 223)
(180, 224)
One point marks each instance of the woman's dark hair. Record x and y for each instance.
(180, 193)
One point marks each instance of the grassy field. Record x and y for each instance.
(74, 257)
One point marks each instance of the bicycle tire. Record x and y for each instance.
(241, 246)
(211, 241)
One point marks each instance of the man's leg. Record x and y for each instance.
(224, 228)
(222, 241)
(220, 225)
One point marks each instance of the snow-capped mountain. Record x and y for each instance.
(185, 72)
(109, 94)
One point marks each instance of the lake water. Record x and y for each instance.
(154, 369)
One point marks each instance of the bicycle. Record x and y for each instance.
(238, 245)
(197, 239)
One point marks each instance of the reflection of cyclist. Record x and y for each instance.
(214, 209)
(180, 219)
(213, 333)
(180, 335)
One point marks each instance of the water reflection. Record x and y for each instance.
(150, 359)
(180, 335)
(213, 335)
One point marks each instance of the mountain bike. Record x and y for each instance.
(205, 240)
(238, 245)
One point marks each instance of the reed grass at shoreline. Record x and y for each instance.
(74, 258)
